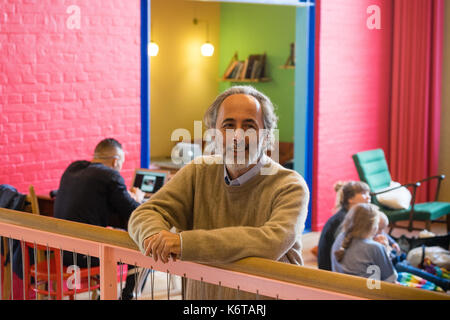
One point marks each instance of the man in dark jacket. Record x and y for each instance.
(94, 192)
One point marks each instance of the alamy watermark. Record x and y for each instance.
(233, 147)
(74, 280)
(74, 20)
(374, 20)
(373, 281)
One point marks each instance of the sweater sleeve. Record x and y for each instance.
(272, 240)
(170, 207)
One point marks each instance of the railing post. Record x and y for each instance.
(108, 274)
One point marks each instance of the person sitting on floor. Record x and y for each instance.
(355, 252)
(391, 246)
(348, 195)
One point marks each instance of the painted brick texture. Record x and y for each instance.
(62, 90)
(353, 95)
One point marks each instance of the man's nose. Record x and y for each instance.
(238, 135)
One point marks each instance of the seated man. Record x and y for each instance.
(228, 209)
(94, 192)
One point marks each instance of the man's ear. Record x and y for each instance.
(115, 163)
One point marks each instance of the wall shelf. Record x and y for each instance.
(251, 69)
(247, 80)
(287, 67)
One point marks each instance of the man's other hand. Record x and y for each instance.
(163, 245)
(137, 194)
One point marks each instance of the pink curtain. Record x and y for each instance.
(416, 92)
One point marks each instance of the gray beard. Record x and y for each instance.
(253, 158)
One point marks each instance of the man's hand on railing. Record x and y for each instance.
(163, 245)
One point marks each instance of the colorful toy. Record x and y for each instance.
(410, 280)
(428, 266)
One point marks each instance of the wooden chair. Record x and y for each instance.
(32, 204)
(53, 283)
(58, 273)
(29, 206)
(372, 168)
(6, 270)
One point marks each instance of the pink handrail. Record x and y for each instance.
(109, 255)
(269, 278)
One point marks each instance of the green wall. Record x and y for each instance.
(255, 29)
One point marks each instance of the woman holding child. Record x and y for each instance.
(348, 195)
(355, 251)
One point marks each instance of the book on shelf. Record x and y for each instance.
(255, 67)
(230, 69)
(290, 62)
(231, 66)
(244, 69)
(239, 70)
(252, 68)
(258, 66)
(261, 67)
(251, 62)
(235, 73)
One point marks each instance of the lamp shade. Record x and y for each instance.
(153, 49)
(207, 49)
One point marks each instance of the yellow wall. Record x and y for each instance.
(183, 82)
(444, 157)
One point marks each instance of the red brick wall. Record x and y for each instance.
(63, 90)
(352, 95)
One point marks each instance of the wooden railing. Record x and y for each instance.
(270, 278)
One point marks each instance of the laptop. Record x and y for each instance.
(149, 180)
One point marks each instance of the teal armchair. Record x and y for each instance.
(373, 169)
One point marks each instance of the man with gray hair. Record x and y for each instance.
(223, 205)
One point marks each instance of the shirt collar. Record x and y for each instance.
(239, 181)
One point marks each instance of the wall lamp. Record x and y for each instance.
(207, 48)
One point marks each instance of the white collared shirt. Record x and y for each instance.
(239, 181)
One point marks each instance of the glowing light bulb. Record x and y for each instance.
(153, 49)
(207, 49)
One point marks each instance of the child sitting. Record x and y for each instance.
(392, 248)
(348, 194)
(354, 250)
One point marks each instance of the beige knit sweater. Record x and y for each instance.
(264, 218)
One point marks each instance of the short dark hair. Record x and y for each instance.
(107, 146)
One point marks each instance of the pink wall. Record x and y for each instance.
(63, 90)
(353, 90)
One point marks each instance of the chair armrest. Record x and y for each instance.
(415, 185)
(440, 177)
(438, 187)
